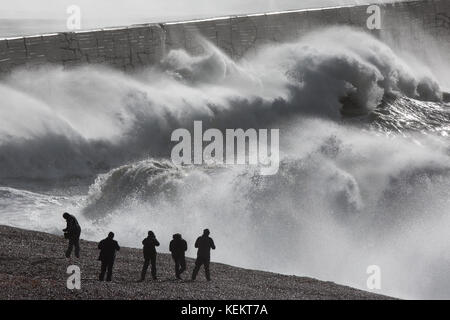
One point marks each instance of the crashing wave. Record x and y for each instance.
(57, 123)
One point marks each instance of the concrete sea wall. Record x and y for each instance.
(130, 48)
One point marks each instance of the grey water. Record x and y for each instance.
(351, 191)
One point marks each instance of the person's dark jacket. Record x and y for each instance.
(108, 248)
(178, 247)
(73, 229)
(150, 244)
(204, 245)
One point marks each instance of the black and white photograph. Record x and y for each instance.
(218, 156)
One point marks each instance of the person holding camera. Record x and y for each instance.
(72, 233)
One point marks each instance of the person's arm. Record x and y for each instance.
(100, 245)
(213, 246)
(156, 243)
(67, 229)
(196, 242)
(185, 246)
(117, 246)
(143, 242)
(171, 246)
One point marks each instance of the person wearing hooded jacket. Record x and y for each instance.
(178, 247)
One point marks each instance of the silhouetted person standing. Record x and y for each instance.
(204, 245)
(72, 232)
(150, 243)
(108, 248)
(178, 247)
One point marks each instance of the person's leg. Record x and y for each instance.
(77, 247)
(176, 268)
(144, 268)
(153, 261)
(182, 265)
(110, 268)
(198, 264)
(69, 249)
(102, 271)
(206, 266)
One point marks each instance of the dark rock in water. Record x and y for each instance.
(32, 266)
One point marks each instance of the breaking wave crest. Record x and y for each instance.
(59, 123)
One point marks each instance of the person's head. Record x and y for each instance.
(206, 232)
(151, 234)
(177, 236)
(111, 235)
(66, 215)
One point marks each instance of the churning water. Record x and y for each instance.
(350, 192)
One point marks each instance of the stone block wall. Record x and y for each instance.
(133, 47)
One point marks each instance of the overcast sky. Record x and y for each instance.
(102, 13)
(120, 9)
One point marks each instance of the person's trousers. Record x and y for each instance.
(149, 260)
(73, 242)
(107, 267)
(198, 263)
(180, 265)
